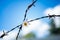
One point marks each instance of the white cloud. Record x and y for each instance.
(55, 10)
(39, 28)
(42, 29)
(32, 26)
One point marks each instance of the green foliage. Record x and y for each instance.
(53, 29)
(30, 35)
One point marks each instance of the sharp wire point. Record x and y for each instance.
(49, 16)
(3, 31)
(28, 9)
(4, 34)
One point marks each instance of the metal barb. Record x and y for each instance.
(49, 16)
(28, 9)
(54, 15)
(4, 34)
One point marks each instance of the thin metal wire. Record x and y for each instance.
(9, 31)
(18, 32)
(28, 9)
(2, 35)
(13, 28)
(49, 16)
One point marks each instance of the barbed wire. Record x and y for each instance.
(25, 16)
(28, 9)
(9, 31)
(20, 26)
(49, 16)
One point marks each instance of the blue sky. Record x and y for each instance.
(12, 11)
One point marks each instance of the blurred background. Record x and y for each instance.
(12, 14)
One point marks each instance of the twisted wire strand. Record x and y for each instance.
(28, 9)
(18, 32)
(49, 16)
(4, 34)
(13, 28)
